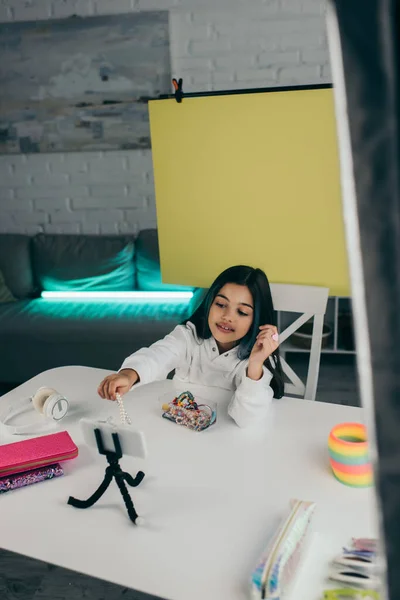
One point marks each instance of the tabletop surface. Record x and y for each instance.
(210, 499)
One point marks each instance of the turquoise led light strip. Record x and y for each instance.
(160, 296)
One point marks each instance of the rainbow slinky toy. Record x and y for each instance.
(348, 452)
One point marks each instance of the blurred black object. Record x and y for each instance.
(364, 43)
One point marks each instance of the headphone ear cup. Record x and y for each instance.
(50, 408)
(40, 398)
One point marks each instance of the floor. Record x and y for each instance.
(22, 578)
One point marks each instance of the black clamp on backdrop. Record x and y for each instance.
(177, 83)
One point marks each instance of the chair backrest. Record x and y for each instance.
(311, 302)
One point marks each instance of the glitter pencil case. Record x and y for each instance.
(19, 480)
(36, 452)
(279, 563)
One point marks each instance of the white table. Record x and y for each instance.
(210, 499)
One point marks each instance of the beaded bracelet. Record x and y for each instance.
(125, 419)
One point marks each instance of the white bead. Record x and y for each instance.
(140, 521)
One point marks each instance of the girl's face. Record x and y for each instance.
(231, 315)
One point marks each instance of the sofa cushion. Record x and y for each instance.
(43, 334)
(83, 262)
(15, 264)
(148, 272)
(5, 294)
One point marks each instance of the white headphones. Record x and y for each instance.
(47, 401)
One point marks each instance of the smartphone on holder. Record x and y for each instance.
(132, 441)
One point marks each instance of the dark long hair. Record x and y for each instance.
(264, 314)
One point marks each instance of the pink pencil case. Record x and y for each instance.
(33, 453)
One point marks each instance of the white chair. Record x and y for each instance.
(311, 301)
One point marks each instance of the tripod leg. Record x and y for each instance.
(127, 499)
(94, 497)
(133, 481)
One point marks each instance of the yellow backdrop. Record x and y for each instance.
(249, 179)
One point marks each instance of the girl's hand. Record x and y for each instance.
(117, 383)
(267, 342)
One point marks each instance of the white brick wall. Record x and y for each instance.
(215, 44)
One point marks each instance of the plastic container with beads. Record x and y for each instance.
(188, 411)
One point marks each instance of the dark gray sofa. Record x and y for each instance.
(38, 334)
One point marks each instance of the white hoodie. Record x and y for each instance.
(198, 361)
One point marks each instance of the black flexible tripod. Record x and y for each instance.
(112, 471)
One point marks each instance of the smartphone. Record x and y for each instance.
(132, 441)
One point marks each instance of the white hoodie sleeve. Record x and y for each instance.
(252, 399)
(155, 362)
